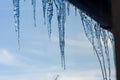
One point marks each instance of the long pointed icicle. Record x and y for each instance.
(89, 34)
(98, 46)
(49, 16)
(105, 38)
(34, 11)
(16, 18)
(96, 36)
(44, 3)
(62, 32)
(68, 8)
(60, 5)
(75, 11)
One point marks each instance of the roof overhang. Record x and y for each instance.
(99, 10)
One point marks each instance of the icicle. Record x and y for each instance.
(87, 28)
(60, 5)
(111, 37)
(49, 16)
(44, 2)
(34, 11)
(96, 36)
(16, 18)
(61, 32)
(68, 8)
(75, 11)
(105, 38)
(99, 50)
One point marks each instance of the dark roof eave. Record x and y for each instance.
(99, 10)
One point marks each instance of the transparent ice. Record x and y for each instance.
(61, 13)
(49, 15)
(97, 36)
(34, 11)
(16, 17)
(44, 3)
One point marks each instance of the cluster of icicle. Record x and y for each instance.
(97, 36)
(60, 6)
(47, 9)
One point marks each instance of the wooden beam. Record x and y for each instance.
(116, 32)
(99, 10)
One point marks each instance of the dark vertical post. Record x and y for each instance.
(116, 32)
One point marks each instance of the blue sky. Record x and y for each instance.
(39, 57)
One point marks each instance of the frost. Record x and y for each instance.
(16, 18)
(34, 11)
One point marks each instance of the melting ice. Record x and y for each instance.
(97, 36)
(16, 17)
(34, 11)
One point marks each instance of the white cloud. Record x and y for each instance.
(38, 75)
(83, 75)
(77, 43)
(6, 57)
(72, 42)
(9, 58)
(50, 74)
(75, 77)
